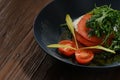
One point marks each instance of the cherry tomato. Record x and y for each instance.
(83, 56)
(67, 51)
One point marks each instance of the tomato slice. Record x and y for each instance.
(67, 51)
(83, 56)
(83, 30)
(84, 41)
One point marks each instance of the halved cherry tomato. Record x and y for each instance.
(83, 56)
(83, 30)
(67, 51)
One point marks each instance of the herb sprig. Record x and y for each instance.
(105, 21)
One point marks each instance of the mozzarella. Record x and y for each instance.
(76, 21)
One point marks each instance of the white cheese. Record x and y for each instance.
(76, 21)
(115, 28)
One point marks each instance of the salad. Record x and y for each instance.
(95, 37)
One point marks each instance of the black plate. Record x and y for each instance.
(47, 28)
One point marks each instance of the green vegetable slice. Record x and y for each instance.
(91, 47)
(71, 27)
(101, 48)
(60, 46)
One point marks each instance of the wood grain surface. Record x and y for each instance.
(21, 58)
(20, 55)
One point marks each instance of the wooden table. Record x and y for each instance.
(21, 58)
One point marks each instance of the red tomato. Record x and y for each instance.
(83, 30)
(67, 51)
(84, 41)
(83, 56)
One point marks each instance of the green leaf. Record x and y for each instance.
(105, 21)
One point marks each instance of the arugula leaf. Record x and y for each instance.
(105, 21)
